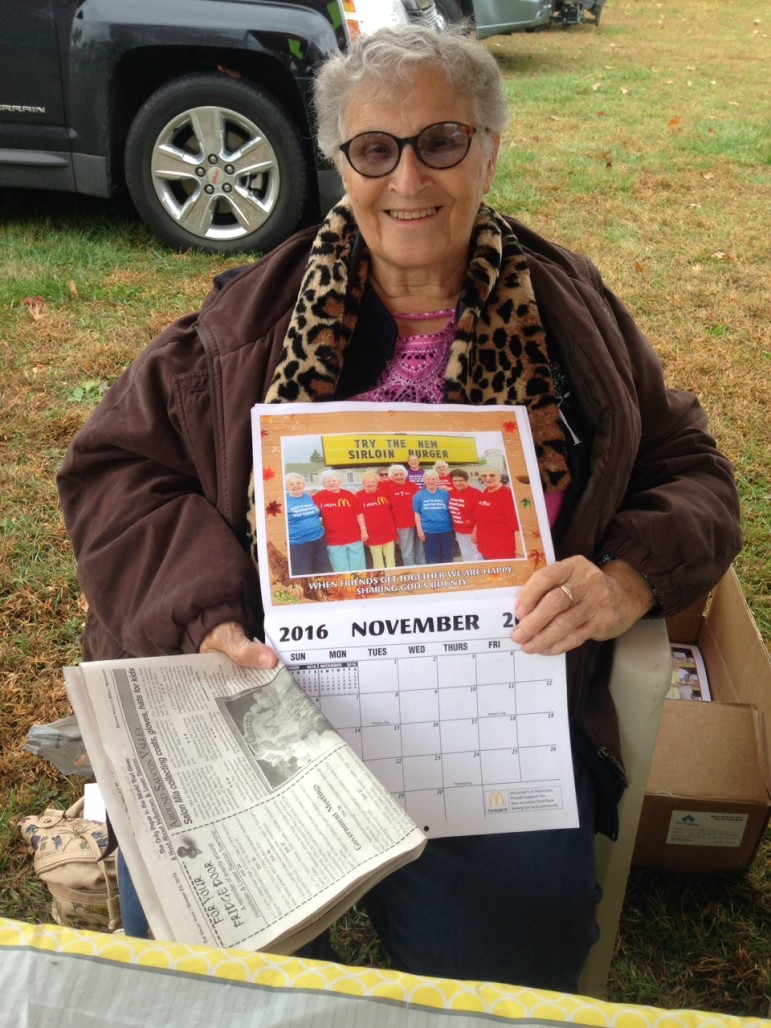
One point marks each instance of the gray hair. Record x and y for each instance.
(294, 475)
(328, 473)
(396, 467)
(390, 58)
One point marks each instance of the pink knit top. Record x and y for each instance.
(415, 373)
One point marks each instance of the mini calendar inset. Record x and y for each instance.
(413, 664)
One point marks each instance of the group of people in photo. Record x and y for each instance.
(403, 516)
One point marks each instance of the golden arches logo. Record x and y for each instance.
(496, 801)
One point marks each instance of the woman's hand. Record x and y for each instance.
(231, 639)
(563, 605)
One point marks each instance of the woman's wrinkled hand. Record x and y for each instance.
(231, 639)
(564, 604)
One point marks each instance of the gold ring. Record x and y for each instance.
(568, 593)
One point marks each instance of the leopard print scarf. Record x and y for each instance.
(499, 354)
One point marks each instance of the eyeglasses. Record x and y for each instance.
(442, 145)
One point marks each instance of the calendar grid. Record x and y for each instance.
(442, 731)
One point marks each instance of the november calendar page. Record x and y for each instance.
(392, 541)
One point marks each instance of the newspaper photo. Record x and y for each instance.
(392, 542)
(244, 819)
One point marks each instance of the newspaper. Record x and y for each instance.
(413, 661)
(244, 819)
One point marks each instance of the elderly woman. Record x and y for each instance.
(307, 542)
(496, 525)
(400, 491)
(374, 505)
(433, 521)
(414, 289)
(343, 523)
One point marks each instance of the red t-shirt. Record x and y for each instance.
(378, 517)
(462, 507)
(497, 524)
(401, 499)
(338, 512)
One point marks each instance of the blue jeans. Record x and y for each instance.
(132, 914)
(439, 547)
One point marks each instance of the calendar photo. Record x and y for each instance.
(355, 502)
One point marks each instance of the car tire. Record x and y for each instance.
(216, 163)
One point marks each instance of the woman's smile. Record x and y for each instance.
(417, 215)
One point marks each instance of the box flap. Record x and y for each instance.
(744, 659)
(709, 751)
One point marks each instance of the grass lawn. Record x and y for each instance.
(644, 144)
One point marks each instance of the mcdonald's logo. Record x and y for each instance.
(342, 502)
(496, 801)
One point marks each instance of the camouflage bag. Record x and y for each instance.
(68, 857)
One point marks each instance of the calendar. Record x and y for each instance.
(413, 664)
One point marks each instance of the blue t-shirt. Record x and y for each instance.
(434, 510)
(303, 519)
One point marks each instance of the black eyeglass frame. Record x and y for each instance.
(401, 141)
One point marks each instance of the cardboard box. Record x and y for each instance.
(708, 797)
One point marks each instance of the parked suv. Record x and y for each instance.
(200, 106)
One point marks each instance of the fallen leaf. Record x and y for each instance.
(34, 305)
(639, 266)
(73, 290)
(596, 86)
(624, 90)
(719, 254)
(708, 176)
(675, 122)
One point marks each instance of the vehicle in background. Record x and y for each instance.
(500, 17)
(202, 109)
(425, 11)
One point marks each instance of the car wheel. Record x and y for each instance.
(214, 163)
